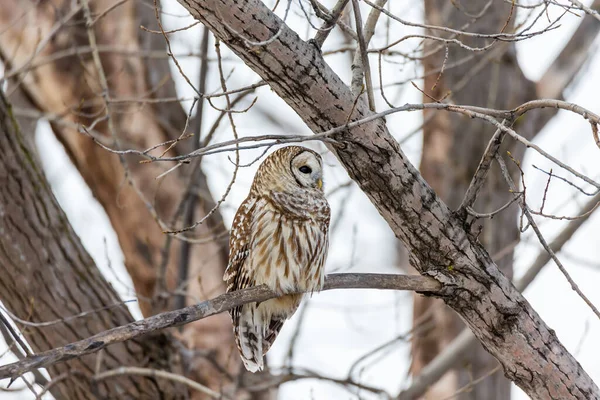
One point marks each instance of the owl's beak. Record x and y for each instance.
(320, 183)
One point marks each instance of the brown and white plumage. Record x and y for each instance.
(279, 238)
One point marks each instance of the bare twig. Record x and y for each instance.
(432, 372)
(172, 30)
(170, 51)
(491, 214)
(237, 154)
(63, 320)
(595, 133)
(487, 114)
(289, 358)
(103, 82)
(107, 11)
(12, 338)
(541, 238)
(294, 374)
(470, 385)
(15, 335)
(556, 245)
(530, 105)
(457, 33)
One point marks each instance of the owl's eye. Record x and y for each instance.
(305, 169)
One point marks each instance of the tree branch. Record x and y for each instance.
(205, 309)
(478, 179)
(454, 353)
(335, 15)
(361, 65)
(569, 61)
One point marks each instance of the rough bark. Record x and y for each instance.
(438, 242)
(452, 149)
(47, 275)
(69, 87)
(27, 124)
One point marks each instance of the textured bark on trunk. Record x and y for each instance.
(68, 87)
(439, 245)
(452, 149)
(47, 275)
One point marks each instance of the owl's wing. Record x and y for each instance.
(237, 274)
(272, 331)
(239, 244)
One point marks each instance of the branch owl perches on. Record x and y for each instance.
(279, 238)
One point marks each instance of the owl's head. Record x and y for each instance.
(289, 169)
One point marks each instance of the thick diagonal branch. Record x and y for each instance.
(454, 353)
(493, 309)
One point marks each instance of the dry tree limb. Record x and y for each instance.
(205, 309)
(335, 14)
(478, 179)
(329, 135)
(360, 63)
(454, 353)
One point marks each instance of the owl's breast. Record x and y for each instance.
(288, 254)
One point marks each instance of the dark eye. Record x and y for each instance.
(305, 169)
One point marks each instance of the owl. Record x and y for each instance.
(279, 238)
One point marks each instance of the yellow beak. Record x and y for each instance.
(320, 183)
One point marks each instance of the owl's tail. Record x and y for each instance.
(254, 336)
(249, 339)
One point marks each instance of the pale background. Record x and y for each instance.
(340, 326)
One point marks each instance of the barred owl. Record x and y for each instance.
(279, 238)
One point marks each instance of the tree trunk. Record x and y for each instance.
(47, 275)
(452, 149)
(438, 243)
(47, 44)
